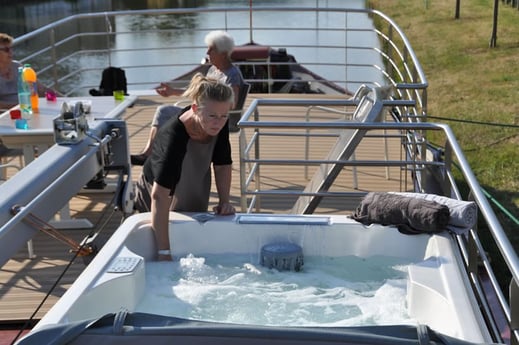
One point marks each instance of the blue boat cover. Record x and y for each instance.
(140, 328)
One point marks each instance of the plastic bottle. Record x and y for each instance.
(24, 96)
(31, 78)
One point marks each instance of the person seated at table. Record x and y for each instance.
(9, 75)
(177, 175)
(219, 48)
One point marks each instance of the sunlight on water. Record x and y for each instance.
(343, 291)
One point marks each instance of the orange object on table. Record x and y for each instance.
(30, 77)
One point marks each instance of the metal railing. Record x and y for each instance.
(310, 125)
(414, 163)
(70, 54)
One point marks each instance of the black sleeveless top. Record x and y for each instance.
(170, 146)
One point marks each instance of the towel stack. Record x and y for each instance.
(415, 213)
(463, 214)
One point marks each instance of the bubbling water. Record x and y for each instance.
(345, 291)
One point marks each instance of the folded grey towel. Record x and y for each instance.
(463, 214)
(409, 215)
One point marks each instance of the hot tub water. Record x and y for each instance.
(345, 291)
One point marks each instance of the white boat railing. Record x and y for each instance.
(415, 165)
(348, 47)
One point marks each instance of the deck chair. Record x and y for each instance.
(369, 109)
(3, 170)
(235, 114)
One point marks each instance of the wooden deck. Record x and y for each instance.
(25, 283)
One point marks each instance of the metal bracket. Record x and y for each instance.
(71, 126)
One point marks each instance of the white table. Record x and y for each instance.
(40, 135)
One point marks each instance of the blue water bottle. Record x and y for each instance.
(24, 96)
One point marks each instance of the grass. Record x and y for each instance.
(470, 81)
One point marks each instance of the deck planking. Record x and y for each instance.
(25, 283)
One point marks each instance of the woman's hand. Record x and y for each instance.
(164, 90)
(224, 209)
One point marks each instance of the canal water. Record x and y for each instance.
(21, 17)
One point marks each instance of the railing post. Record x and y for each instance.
(424, 102)
(109, 30)
(54, 57)
(472, 250)
(256, 157)
(307, 141)
(448, 166)
(514, 311)
(389, 66)
(243, 171)
(472, 246)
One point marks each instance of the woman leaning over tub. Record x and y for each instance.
(177, 176)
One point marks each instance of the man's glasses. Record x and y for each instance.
(6, 49)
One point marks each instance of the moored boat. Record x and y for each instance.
(271, 70)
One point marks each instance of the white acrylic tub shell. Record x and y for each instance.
(438, 293)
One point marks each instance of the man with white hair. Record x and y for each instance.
(219, 48)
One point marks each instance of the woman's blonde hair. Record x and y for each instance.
(202, 89)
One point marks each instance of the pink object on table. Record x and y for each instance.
(50, 96)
